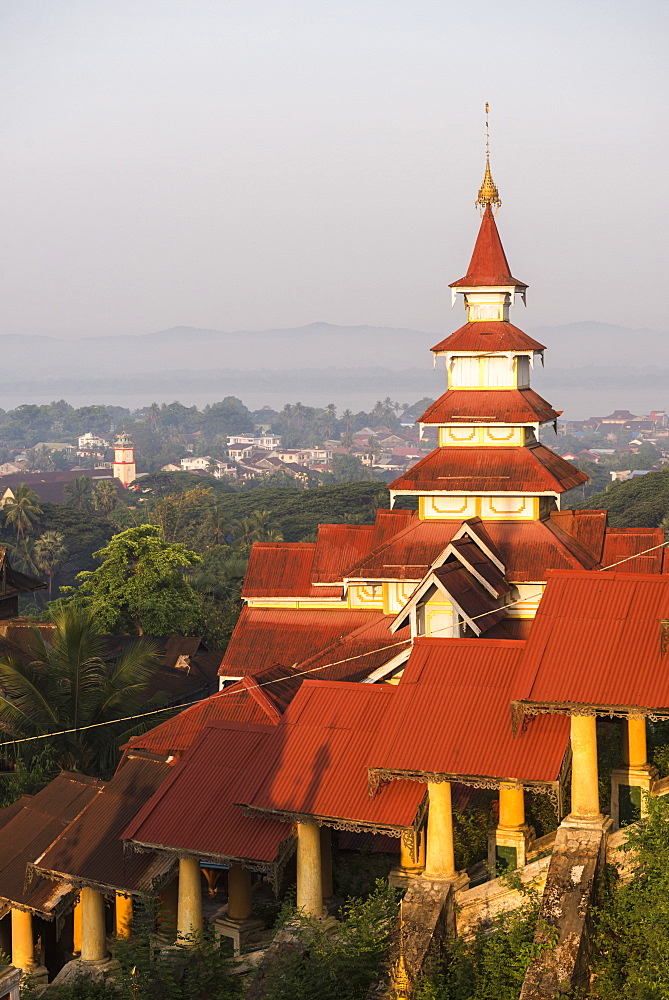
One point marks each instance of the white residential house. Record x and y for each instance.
(264, 442)
(91, 442)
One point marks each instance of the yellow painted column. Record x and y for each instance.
(76, 927)
(23, 949)
(93, 930)
(440, 858)
(511, 806)
(635, 751)
(309, 875)
(189, 909)
(584, 774)
(412, 861)
(326, 861)
(123, 915)
(240, 901)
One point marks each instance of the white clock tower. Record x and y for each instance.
(124, 459)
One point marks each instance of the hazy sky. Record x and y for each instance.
(262, 163)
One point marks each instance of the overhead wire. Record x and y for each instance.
(300, 673)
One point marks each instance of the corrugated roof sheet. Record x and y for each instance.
(243, 701)
(337, 546)
(89, 849)
(469, 595)
(283, 569)
(489, 470)
(497, 335)
(527, 549)
(429, 724)
(597, 640)
(195, 809)
(364, 649)
(511, 406)
(588, 527)
(488, 265)
(620, 543)
(32, 829)
(265, 636)
(319, 757)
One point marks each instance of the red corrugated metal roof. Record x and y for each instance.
(429, 724)
(337, 546)
(365, 649)
(33, 828)
(588, 527)
(389, 523)
(490, 470)
(487, 406)
(89, 849)
(283, 569)
(488, 265)
(486, 337)
(195, 808)
(320, 756)
(469, 595)
(240, 702)
(597, 640)
(265, 636)
(620, 543)
(527, 548)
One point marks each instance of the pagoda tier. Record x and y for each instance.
(532, 469)
(494, 335)
(513, 406)
(488, 266)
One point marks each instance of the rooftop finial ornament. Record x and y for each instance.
(488, 193)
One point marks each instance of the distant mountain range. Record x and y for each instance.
(588, 364)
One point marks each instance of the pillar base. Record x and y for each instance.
(37, 974)
(240, 931)
(509, 847)
(627, 787)
(576, 822)
(459, 880)
(401, 878)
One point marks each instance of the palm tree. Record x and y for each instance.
(105, 496)
(22, 509)
(66, 683)
(79, 493)
(23, 555)
(259, 526)
(49, 554)
(347, 414)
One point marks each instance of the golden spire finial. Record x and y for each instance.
(488, 193)
(400, 979)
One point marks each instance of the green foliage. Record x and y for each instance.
(341, 961)
(197, 970)
(29, 777)
(66, 684)
(79, 493)
(492, 966)
(642, 502)
(22, 509)
(140, 585)
(631, 935)
(349, 469)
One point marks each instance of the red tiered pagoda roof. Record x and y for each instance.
(488, 265)
(510, 406)
(532, 469)
(497, 335)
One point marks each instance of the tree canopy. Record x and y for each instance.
(140, 584)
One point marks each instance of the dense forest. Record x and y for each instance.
(642, 502)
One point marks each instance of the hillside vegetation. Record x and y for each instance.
(642, 502)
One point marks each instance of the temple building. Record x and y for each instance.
(467, 640)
